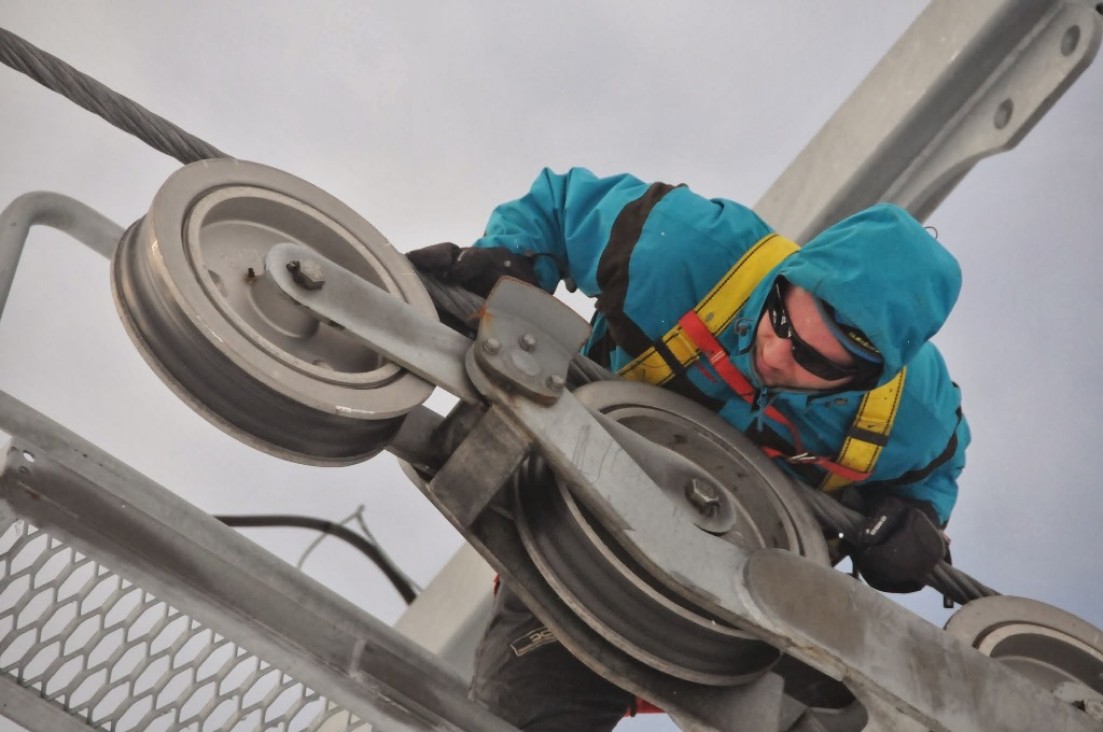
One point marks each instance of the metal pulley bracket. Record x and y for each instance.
(893, 661)
(715, 477)
(523, 352)
(188, 288)
(711, 481)
(335, 295)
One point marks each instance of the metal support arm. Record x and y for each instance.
(965, 81)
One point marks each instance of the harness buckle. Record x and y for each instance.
(802, 458)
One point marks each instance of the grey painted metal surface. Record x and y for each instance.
(93, 509)
(423, 345)
(49, 209)
(966, 80)
(187, 280)
(495, 534)
(580, 559)
(759, 501)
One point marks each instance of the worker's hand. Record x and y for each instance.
(474, 269)
(899, 545)
(436, 260)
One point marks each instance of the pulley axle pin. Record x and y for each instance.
(703, 496)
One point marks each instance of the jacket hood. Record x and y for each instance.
(883, 273)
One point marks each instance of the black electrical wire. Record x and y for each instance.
(397, 578)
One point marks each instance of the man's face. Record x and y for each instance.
(773, 355)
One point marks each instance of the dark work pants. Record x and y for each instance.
(525, 676)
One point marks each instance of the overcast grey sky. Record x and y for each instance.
(423, 115)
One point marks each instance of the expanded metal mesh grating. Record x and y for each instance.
(118, 658)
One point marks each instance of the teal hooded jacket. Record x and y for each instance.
(650, 252)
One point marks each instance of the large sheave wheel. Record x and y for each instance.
(189, 286)
(613, 593)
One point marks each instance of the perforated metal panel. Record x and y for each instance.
(119, 658)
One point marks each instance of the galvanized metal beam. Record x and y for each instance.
(965, 81)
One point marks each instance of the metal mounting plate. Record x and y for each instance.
(526, 354)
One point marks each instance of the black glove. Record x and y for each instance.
(474, 269)
(899, 545)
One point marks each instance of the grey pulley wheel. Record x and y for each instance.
(1051, 647)
(189, 286)
(755, 508)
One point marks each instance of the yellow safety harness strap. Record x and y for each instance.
(869, 433)
(717, 310)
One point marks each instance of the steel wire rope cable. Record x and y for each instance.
(127, 115)
(166, 137)
(947, 579)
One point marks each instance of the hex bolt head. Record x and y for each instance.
(556, 382)
(703, 496)
(492, 346)
(307, 274)
(528, 342)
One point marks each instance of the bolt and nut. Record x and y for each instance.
(703, 496)
(492, 346)
(307, 274)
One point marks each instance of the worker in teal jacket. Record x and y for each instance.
(818, 353)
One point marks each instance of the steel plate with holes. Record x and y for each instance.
(1051, 647)
(612, 593)
(188, 287)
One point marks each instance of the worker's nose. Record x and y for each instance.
(775, 352)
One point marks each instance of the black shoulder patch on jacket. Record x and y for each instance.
(612, 268)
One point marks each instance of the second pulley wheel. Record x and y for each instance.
(1053, 648)
(612, 592)
(189, 285)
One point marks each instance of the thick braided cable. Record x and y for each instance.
(834, 516)
(85, 91)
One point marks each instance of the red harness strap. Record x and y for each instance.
(706, 343)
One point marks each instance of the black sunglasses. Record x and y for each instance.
(807, 357)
